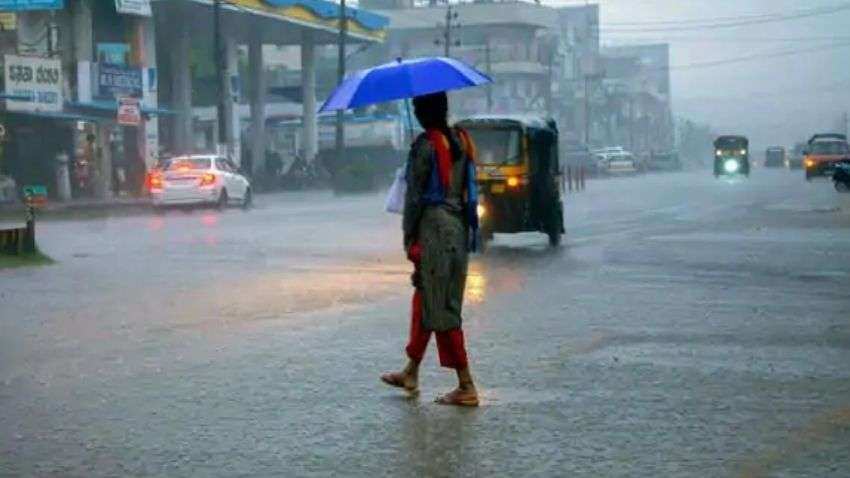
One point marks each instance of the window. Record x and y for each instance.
(829, 147)
(497, 146)
(178, 164)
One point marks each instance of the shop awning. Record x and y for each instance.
(55, 115)
(111, 107)
(316, 15)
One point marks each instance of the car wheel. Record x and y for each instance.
(221, 204)
(248, 200)
(842, 187)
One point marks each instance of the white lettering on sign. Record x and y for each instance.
(37, 81)
(134, 7)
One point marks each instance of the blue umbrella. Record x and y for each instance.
(403, 79)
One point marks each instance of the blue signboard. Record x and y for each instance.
(19, 5)
(114, 81)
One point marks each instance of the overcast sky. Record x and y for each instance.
(773, 99)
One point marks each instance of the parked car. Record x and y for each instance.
(616, 161)
(665, 161)
(199, 179)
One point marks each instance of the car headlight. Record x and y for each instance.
(718, 153)
(743, 152)
(481, 210)
(731, 166)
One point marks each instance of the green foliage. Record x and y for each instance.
(356, 176)
(8, 261)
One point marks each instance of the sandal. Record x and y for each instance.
(396, 379)
(460, 398)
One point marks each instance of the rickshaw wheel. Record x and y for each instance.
(554, 238)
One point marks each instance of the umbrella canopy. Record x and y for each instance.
(403, 79)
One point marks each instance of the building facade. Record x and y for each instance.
(96, 91)
(637, 111)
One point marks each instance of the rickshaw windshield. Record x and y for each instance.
(829, 147)
(497, 146)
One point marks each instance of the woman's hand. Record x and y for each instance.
(414, 253)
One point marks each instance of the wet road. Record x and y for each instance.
(688, 327)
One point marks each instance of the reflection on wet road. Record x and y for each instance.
(688, 327)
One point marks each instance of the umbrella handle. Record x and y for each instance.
(409, 119)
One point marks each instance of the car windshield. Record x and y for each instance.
(497, 146)
(183, 164)
(829, 147)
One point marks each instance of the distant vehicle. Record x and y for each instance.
(519, 178)
(665, 161)
(199, 179)
(795, 159)
(841, 176)
(774, 157)
(822, 152)
(616, 161)
(731, 156)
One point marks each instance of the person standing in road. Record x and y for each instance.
(439, 211)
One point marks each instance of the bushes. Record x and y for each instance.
(357, 176)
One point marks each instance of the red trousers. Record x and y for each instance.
(450, 344)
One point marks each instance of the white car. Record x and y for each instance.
(616, 160)
(199, 179)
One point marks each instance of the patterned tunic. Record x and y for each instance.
(442, 232)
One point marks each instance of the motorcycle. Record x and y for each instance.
(841, 176)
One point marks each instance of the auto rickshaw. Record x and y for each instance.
(520, 179)
(731, 156)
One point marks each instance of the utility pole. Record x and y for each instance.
(549, 78)
(451, 23)
(489, 69)
(221, 78)
(340, 73)
(587, 109)
(631, 124)
(846, 124)
(447, 34)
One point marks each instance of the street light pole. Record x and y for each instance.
(340, 125)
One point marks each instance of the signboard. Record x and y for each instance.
(8, 21)
(35, 195)
(113, 53)
(114, 81)
(134, 7)
(19, 5)
(129, 112)
(39, 79)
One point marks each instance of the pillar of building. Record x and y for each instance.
(182, 91)
(231, 102)
(103, 141)
(83, 31)
(310, 135)
(258, 102)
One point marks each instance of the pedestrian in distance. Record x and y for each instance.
(440, 222)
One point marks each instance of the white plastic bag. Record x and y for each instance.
(395, 197)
